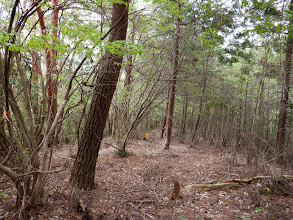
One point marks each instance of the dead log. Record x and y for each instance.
(231, 183)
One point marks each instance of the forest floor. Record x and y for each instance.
(140, 185)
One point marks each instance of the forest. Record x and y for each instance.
(146, 109)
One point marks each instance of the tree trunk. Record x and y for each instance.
(245, 114)
(200, 106)
(51, 66)
(128, 79)
(36, 71)
(124, 108)
(165, 116)
(4, 141)
(171, 95)
(285, 90)
(52, 71)
(83, 172)
(239, 120)
(184, 113)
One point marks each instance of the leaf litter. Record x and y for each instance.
(139, 186)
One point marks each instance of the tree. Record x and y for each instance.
(285, 86)
(171, 95)
(200, 106)
(22, 130)
(120, 124)
(83, 172)
(51, 61)
(52, 67)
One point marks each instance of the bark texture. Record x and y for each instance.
(4, 141)
(51, 66)
(171, 95)
(285, 90)
(83, 172)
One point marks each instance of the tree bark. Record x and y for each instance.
(165, 117)
(124, 107)
(171, 95)
(200, 106)
(36, 72)
(52, 68)
(128, 70)
(239, 120)
(83, 172)
(285, 89)
(184, 112)
(4, 141)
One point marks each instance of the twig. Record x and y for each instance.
(3, 181)
(39, 171)
(112, 146)
(60, 194)
(71, 215)
(141, 201)
(148, 215)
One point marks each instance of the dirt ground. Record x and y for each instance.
(140, 185)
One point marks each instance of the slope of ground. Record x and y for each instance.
(140, 186)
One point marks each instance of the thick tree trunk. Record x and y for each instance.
(285, 90)
(171, 95)
(83, 172)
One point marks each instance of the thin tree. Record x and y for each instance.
(121, 124)
(51, 67)
(200, 106)
(171, 95)
(83, 172)
(52, 83)
(285, 87)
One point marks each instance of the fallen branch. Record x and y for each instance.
(231, 183)
(211, 186)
